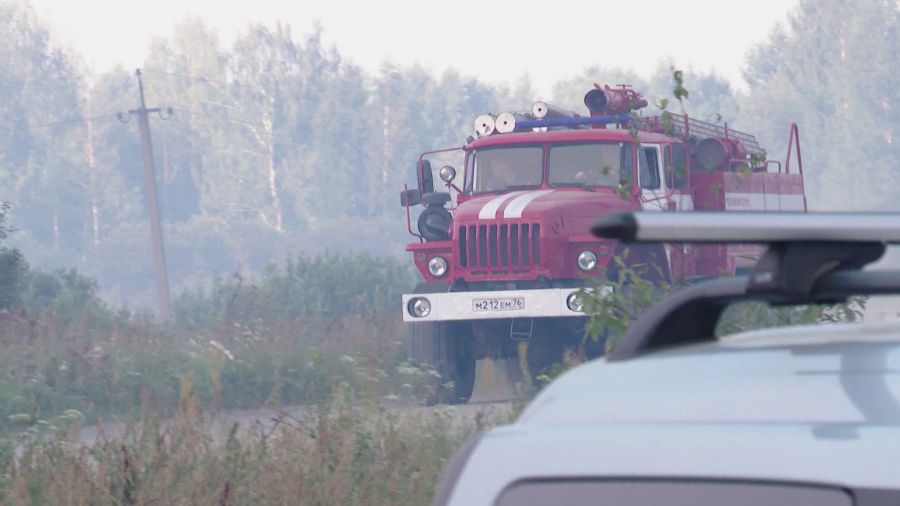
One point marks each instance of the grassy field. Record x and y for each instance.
(320, 332)
(162, 386)
(341, 453)
(289, 337)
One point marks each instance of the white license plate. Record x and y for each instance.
(499, 304)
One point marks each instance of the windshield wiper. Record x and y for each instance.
(519, 187)
(573, 184)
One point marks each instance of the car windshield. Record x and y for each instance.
(590, 164)
(507, 168)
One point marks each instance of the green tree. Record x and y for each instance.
(12, 266)
(40, 159)
(711, 97)
(834, 71)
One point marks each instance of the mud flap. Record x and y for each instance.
(502, 379)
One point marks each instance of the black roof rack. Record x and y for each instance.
(811, 258)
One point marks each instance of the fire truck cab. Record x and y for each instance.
(503, 266)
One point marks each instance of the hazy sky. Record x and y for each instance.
(497, 41)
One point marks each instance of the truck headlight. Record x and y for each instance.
(437, 266)
(419, 307)
(575, 303)
(587, 260)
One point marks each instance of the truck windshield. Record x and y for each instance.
(589, 164)
(507, 168)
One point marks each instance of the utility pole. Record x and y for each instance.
(156, 237)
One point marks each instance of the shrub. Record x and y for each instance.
(325, 286)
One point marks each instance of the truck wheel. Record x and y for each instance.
(447, 348)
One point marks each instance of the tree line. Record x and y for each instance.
(278, 145)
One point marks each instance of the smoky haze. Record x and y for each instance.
(278, 145)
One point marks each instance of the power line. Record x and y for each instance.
(75, 120)
(233, 120)
(18, 84)
(274, 134)
(205, 79)
(67, 121)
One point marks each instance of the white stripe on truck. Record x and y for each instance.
(489, 211)
(517, 206)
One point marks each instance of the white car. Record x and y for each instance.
(803, 415)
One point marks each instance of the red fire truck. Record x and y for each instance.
(504, 258)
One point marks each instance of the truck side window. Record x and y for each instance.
(627, 168)
(470, 173)
(674, 162)
(648, 169)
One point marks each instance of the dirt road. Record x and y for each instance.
(266, 420)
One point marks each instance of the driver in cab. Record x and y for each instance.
(500, 175)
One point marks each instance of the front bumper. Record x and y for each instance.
(490, 305)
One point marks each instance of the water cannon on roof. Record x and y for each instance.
(613, 101)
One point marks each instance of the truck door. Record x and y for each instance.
(677, 178)
(654, 194)
(682, 256)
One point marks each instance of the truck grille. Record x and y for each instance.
(509, 245)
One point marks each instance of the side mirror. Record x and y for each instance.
(410, 198)
(426, 178)
(447, 173)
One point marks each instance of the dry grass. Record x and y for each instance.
(238, 347)
(127, 367)
(347, 448)
(342, 453)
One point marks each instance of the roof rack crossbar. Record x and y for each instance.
(692, 314)
(750, 227)
(811, 258)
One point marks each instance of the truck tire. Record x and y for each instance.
(447, 348)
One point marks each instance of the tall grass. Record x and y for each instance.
(319, 332)
(341, 453)
(50, 367)
(289, 337)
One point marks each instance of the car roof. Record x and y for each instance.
(806, 404)
(805, 374)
